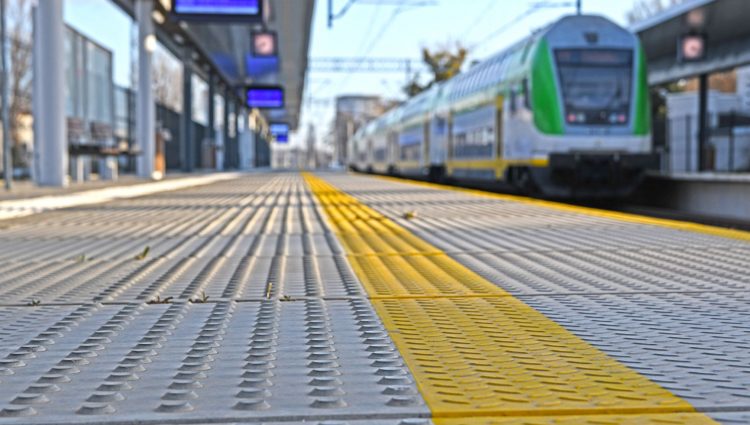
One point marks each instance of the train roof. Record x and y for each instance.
(421, 103)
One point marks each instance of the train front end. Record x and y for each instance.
(591, 110)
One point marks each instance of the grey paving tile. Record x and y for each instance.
(219, 361)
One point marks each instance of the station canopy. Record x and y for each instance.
(227, 48)
(723, 24)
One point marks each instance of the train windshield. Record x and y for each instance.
(596, 85)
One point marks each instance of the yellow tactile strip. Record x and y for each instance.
(415, 275)
(364, 231)
(651, 419)
(499, 356)
(389, 260)
(478, 354)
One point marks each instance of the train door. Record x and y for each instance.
(449, 144)
(425, 152)
(392, 151)
(499, 126)
(369, 157)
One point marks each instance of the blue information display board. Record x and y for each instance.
(209, 10)
(280, 132)
(265, 97)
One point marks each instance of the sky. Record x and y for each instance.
(373, 28)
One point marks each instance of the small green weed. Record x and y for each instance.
(159, 300)
(143, 254)
(202, 300)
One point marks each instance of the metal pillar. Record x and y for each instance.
(227, 143)
(236, 150)
(187, 144)
(702, 122)
(211, 130)
(49, 114)
(7, 143)
(145, 109)
(252, 140)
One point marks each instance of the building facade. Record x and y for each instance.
(352, 112)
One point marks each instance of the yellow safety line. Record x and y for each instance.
(627, 217)
(651, 419)
(478, 354)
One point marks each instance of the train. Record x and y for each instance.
(563, 113)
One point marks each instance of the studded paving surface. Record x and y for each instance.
(285, 334)
(288, 335)
(670, 304)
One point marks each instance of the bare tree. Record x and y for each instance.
(444, 62)
(19, 33)
(644, 9)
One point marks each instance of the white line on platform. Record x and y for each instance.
(24, 207)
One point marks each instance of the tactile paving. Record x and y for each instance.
(230, 361)
(697, 345)
(244, 239)
(645, 270)
(668, 303)
(498, 356)
(287, 336)
(614, 419)
(243, 309)
(389, 261)
(477, 353)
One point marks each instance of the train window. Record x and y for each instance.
(595, 85)
(474, 134)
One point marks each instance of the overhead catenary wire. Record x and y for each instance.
(530, 10)
(489, 6)
(376, 39)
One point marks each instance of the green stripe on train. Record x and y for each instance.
(642, 118)
(548, 119)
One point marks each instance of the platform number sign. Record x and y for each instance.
(264, 44)
(218, 10)
(691, 48)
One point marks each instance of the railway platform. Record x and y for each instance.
(343, 299)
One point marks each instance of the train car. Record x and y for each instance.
(413, 134)
(382, 143)
(562, 113)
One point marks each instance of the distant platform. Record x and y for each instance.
(707, 177)
(720, 195)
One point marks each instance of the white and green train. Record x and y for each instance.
(563, 113)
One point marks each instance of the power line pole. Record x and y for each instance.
(578, 6)
(7, 151)
(330, 14)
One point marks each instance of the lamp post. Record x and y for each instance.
(7, 151)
